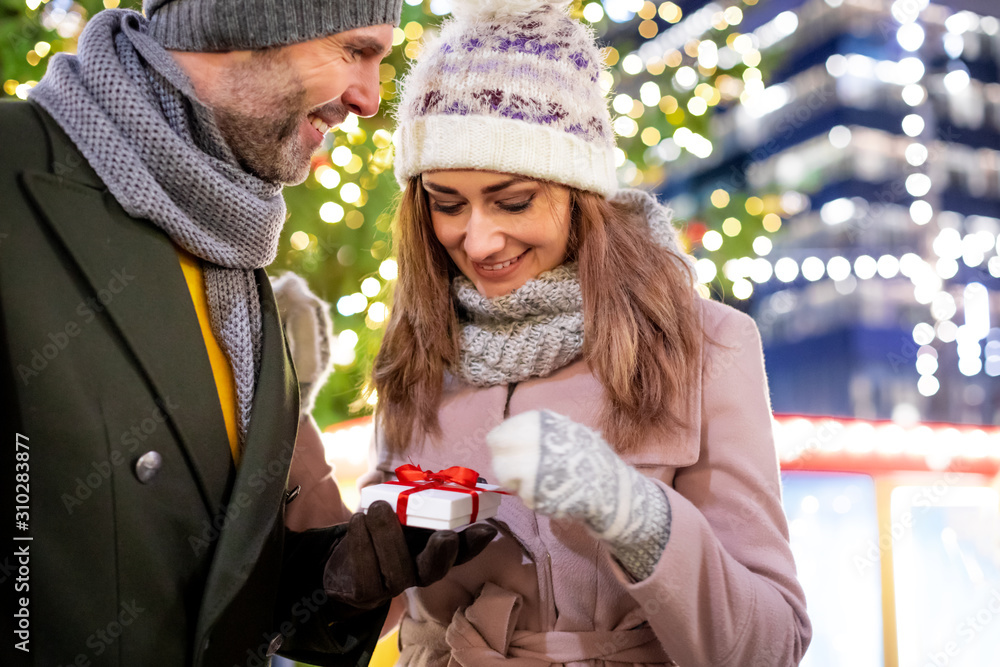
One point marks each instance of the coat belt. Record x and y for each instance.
(483, 635)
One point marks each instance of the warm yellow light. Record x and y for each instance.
(341, 155)
(655, 67)
(647, 11)
(33, 4)
(370, 287)
(733, 15)
(354, 165)
(389, 269)
(712, 240)
(742, 44)
(697, 106)
(33, 58)
(331, 212)
(650, 94)
(413, 30)
(751, 58)
(386, 72)
(691, 47)
(611, 56)
(637, 110)
(382, 159)
(354, 219)
(111, 4)
(719, 21)
(720, 198)
(357, 136)
(755, 205)
(381, 138)
(752, 74)
(398, 36)
(43, 48)
(10, 86)
(593, 12)
(668, 104)
(606, 81)
(729, 87)
(648, 29)
(412, 50)
(704, 91)
(772, 203)
(622, 103)
(377, 312)
(673, 58)
(650, 136)
(350, 193)
(772, 222)
(670, 12)
(299, 240)
(731, 227)
(328, 177)
(625, 126)
(632, 64)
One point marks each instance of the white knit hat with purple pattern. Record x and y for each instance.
(508, 86)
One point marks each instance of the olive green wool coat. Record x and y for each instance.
(102, 362)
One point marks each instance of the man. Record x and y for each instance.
(150, 409)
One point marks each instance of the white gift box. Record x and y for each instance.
(437, 508)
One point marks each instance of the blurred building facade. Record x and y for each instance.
(878, 132)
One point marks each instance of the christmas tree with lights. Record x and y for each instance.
(668, 73)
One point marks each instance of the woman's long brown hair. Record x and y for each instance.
(642, 331)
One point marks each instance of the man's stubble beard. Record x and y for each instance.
(259, 111)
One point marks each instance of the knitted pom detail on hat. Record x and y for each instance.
(485, 9)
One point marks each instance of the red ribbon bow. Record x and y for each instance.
(455, 478)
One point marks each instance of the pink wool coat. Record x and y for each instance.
(724, 592)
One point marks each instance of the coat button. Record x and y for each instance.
(274, 645)
(147, 465)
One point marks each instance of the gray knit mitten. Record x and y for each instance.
(566, 470)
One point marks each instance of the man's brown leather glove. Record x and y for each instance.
(377, 558)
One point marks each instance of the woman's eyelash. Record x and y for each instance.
(515, 207)
(446, 208)
(519, 206)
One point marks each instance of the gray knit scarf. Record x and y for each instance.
(133, 114)
(538, 328)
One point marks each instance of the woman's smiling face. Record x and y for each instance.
(501, 230)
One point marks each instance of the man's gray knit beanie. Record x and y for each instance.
(237, 25)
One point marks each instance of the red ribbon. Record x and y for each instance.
(455, 478)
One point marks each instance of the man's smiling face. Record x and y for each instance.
(273, 106)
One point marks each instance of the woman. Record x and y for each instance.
(546, 333)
